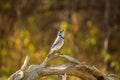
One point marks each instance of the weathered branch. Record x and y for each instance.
(18, 75)
(75, 68)
(73, 60)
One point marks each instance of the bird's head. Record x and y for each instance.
(61, 33)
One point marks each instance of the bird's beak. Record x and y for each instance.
(62, 30)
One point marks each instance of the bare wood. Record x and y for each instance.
(18, 75)
(80, 70)
(83, 71)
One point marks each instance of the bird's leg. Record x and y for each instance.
(58, 52)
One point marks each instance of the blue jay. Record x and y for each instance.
(58, 43)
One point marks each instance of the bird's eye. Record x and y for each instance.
(61, 31)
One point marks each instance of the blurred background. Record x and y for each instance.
(29, 27)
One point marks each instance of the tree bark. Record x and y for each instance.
(75, 68)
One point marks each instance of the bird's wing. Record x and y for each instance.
(56, 42)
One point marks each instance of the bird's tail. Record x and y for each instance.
(50, 52)
(44, 62)
(47, 58)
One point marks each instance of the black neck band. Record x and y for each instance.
(61, 37)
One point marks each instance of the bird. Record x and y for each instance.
(58, 43)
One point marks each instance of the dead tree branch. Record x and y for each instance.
(18, 75)
(74, 68)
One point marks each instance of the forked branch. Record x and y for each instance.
(74, 68)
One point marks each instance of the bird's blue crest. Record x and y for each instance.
(61, 33)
